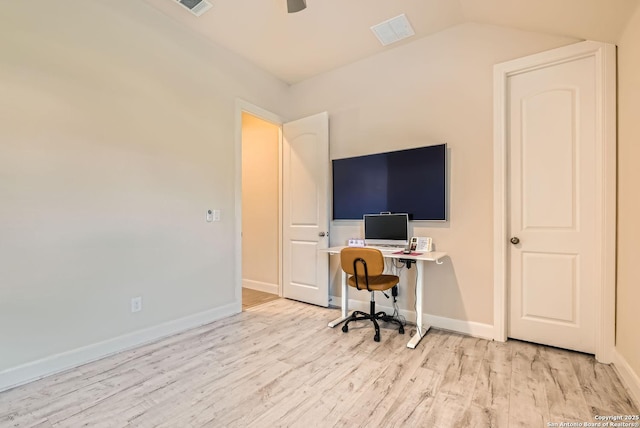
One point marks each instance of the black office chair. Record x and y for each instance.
(365, 267)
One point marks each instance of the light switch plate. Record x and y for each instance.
(136, 304)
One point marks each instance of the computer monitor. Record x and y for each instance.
(386, 229)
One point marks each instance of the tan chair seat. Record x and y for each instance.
(376, 283)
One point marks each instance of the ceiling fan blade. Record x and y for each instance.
(296, 5)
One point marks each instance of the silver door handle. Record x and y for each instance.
(515, 240)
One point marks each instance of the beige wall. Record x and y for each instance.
(260, 203)
(438, 89)
(117, 134)
(628, 289)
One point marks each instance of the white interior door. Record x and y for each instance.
(552, 116)
(305, 216)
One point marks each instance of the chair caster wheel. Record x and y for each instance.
(376, 338)
(345, 328)
(401, 330)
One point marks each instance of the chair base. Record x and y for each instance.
(374, 317)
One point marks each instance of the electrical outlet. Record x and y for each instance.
(136, 304)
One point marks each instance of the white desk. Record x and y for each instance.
(421, 261)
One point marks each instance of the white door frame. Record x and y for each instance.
(244, 106)
(605, 176)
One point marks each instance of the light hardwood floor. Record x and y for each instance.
(251, 298)
(278, 365)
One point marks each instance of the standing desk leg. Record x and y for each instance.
(421, 329)
(345, 302)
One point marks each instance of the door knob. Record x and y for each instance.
(515, 240)
(321, 234)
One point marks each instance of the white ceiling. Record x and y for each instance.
(332, 33)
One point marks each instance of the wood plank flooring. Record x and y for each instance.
(251, 298)
(278, 365)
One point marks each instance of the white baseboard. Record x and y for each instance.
(470, 328)
(47, 366)
(627, 375)
(260, 286)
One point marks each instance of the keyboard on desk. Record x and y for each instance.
(385, 249)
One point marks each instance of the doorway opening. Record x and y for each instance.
(261, 201)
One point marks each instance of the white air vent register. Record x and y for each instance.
(197, 7)
(393, 30)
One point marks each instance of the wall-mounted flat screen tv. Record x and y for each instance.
(409, 181)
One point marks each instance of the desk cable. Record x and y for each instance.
(398, 267)
(397, 264)
(397, 270)
(396, 312)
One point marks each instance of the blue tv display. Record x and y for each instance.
(411, 181)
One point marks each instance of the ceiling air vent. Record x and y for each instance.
(393, 30)
(197, 7)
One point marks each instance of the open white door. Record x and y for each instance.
(305, 216)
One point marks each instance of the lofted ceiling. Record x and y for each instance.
(332, 33)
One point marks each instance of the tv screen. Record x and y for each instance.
(411, 181)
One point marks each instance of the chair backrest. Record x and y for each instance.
(372, 258)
